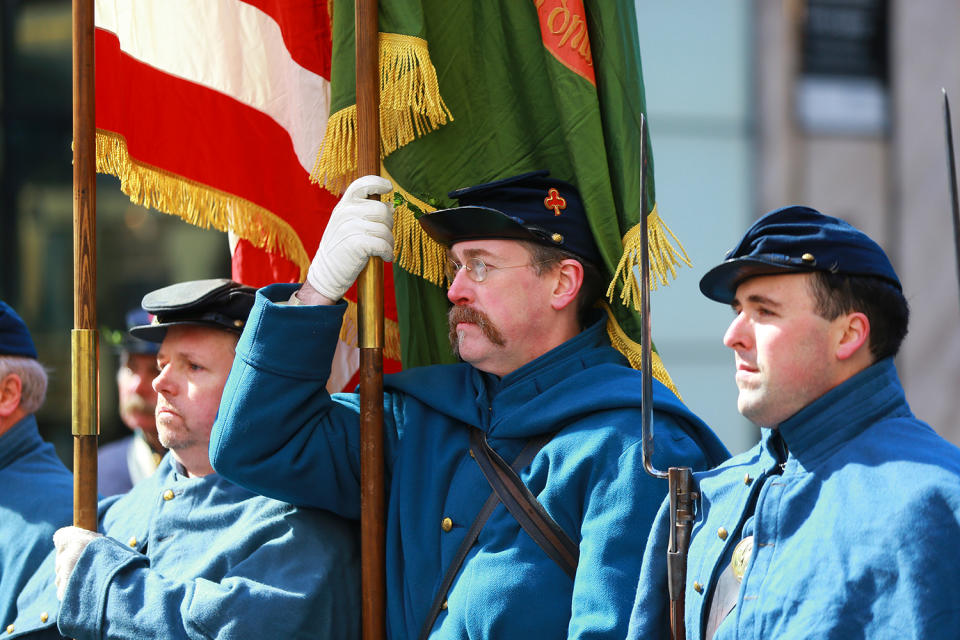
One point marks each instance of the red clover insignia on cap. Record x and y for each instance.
(554, 201)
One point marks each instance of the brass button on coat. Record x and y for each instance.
(132, 542)
(698, 587)
(168, 494)
(722, 533)
(446, 524)
(9, 628)
(747, 479)
(444, 605)
(44, 616)
(807, 257)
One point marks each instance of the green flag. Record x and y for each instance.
(476, 91)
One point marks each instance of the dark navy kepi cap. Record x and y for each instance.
(531, 206)
(797, 239)
(133, 344)
(15, 339)
(217, 303)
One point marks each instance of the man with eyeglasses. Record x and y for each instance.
(539, 385)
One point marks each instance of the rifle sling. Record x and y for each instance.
(524, 506)
(522, 460)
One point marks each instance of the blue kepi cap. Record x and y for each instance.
(531, 206)
(15, 339)
(797, 239)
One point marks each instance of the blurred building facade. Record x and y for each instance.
(137, 250)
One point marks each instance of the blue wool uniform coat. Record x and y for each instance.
(203, 558)
(858, 536)
(589, 477)
(36, 499)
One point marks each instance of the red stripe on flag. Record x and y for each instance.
(305, 25)
(199, 134)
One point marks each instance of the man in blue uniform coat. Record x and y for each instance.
(124, 462)
(844, 521)
(187, 554)
(36, 490)
(538, 368)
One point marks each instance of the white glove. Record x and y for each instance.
(358, 230)
(70, 543)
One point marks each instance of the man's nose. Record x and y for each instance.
(461, 289)
(163, 383)
(737, 335)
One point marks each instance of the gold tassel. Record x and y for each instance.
(415, 251)
(336, 164)
(664, 258)
(196, 203)
(632, 351)
(410, 107)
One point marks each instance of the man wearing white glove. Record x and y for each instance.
(69, 543)
(358, 229)
(187, 554)
(537, 365)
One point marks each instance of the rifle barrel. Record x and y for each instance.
(952, 180)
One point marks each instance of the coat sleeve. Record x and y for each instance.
(620, 508)
(650, 618)
(278, 432)
(300, 580)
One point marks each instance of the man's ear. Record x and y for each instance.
(10, 391)
(855, 335)
(568, 282)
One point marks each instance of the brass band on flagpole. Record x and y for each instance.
(370, 321)
(84, 338)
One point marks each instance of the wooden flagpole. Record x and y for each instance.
(83, 338)
(370, 321)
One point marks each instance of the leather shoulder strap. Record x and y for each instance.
(524, 506)
(522, 460)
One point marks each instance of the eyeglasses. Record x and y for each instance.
(477, 269)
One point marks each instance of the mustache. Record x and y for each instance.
(458, 314)
(137, 404)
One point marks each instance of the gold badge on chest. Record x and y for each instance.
(741, 557)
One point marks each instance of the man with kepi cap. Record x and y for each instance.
(36, 490)
(844, 521)
(539, 385)
(187, 554)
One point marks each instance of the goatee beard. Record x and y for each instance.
(458, 314)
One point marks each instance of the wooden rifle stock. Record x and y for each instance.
(682, 497)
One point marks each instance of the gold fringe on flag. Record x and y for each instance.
(206, 207)
(196, 203)
(410, 106)
(664, 258)
(414, 251)
(632, 351)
